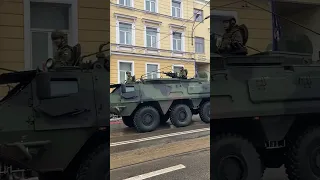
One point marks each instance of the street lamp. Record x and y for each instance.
(193, 28)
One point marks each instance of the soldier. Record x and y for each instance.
(232, 40)
(63, 55)
(129, 77)
(183, 73)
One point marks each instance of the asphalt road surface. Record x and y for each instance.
(189, 166)
(167, 153)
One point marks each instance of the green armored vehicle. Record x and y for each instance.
(146, 104)
(265, 114)
(56, 122)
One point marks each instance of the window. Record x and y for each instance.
(125, 2)
(45, 18)
(198, 15)
(151, 37)
(129, 89)
(177, 41)
(199, 45)
(123, 68)
(125, 32)
(63, 87)
(176, 68)
(152, 70)
(151, 5)
(176, 8)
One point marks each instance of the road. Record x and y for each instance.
(167, 153)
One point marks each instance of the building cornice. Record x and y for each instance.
(117, 15)
(151, 21)
(150, 56)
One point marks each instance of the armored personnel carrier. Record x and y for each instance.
(56, 122)
(264, 114)
(146, 104)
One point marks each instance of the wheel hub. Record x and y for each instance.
(231, 168)
(182, 115)
(147, 119)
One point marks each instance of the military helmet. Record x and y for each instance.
(57, 35)
(228, 19)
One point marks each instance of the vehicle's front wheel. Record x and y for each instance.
(234, 158)
(205, 112)
(146, 119)
(303, 157)
(181, 115)
(96, 166)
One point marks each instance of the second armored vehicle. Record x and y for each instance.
(146, 104)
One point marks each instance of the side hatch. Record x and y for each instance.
(64, 100)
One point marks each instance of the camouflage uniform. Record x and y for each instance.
(129, 77)
(63, 55)
(183, 73)
(232, 40)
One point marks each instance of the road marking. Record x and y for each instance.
(157, 173)
(158, 137)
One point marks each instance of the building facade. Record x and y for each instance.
(26, 26)
(151, 36)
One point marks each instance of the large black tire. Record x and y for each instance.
(205, 112)
(303, 157)
(128, 121)
(181, 115)
(237, 157)
(96, 166)
(146, 119)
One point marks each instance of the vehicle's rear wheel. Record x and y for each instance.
(96, 166)
(181, 115)
(205, 112)
(128, 121)
(303, 157)
(146, 119)
(234, 158)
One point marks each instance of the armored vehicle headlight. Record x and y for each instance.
(49, 63)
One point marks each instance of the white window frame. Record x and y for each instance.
(125, 61)
(177, 65)
(158, 36)
(199, 11)
(182, 40)
(148, 63)
(157, 5)
(73, 20)
(132, 3)
(204, 43)
(125, 37)
(133, 29)
(181, 9)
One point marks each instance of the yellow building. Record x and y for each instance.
(149, 36)
(26, 25)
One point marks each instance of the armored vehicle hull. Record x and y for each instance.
(56, 123)
(146, 104)
(268, 105)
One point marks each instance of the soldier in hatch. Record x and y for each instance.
(232, 40)
(130, 79)
(63, 55)
(183, 73)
